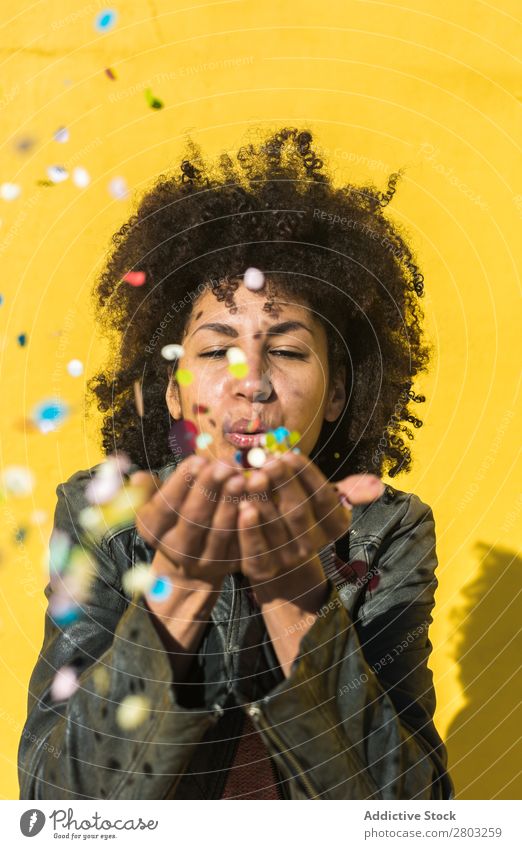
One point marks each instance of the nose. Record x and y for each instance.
(256, 385)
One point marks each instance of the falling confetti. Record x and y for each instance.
(57, 173)
(152, 101)
(237, 362)
(254, 279)
(62, 135)
(120, 511)
(182, 437)
(64, 685)
(118, 188)
(203, 440)
(132, 712)
(138, 399)
(49, 414)
(108, 479)
(81, 177)
(38, 517)
(10, 191)
(25, 144)
(184, 376)
(135, 278)
(200, 409)
(110, 73)
(161, 589)
(138, 580)
(172, 352)
(105, 20)
(59, 548)
(17, 480)
(75, 368)
(101, 680)
(20, 535)
(22, 339)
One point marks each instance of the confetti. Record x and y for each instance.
(132, 712)
(152, 101)
(161, 589)
(182, 437)
(17, 480)
(75, 368)
(203, 440)
(10, 191)
(138, 580)
(120, 511)
(236, 356)
(200, 408)
(107, 480)
(239, 370)
(61, 135)
(101, 680)
(118, 188)
(184, 376)
(57, 173)
(281, 433)
(62, 610)
(22, 339)
(25, 144)
(138, 398)
(256, 457)
(105, 20)
(81, 177)
(64, 685)
(135, 278)
(20, 535)
(38, 517)
(59, 549)
(49, 414)
(254, 279)
(172, 352)
(111, 74)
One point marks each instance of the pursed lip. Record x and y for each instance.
(244, 440)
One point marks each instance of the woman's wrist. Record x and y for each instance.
(304, 587)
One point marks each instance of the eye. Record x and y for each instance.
(215, 354)
(281, 352)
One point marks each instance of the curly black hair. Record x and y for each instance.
(272, 206)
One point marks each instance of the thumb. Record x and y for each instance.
(360, 489)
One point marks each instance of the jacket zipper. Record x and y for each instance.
(292, 767)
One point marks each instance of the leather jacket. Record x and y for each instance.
(354, 719)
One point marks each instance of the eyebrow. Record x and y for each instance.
(274, 330)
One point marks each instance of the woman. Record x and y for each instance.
(275, 643)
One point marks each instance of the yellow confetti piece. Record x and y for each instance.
(184, 376)
(132, 712)
(238, 370)
(101, 680)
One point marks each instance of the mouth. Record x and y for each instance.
(246, 433)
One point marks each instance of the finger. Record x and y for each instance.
(255, 563)
(186, 541)
(332, 514)
(294, 505)
(275, 531)
(218, 546)
(161, 511)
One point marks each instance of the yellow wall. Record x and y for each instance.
(430, 86)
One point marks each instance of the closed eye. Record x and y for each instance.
(218, 353)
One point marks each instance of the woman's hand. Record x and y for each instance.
(191, 520)
(302, 513)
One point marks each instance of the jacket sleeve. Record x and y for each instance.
(354, 720)
(75, 749)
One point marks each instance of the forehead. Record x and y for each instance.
(250, 310)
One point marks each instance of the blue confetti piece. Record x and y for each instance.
(67, 617)
(105, 20)
(22, 339)
(161, 589)
(281, 433)
(1, 300)
(49, 414)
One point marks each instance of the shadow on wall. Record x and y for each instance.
(484, 756)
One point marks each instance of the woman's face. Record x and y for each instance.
(288, 382)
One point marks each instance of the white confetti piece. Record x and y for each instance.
(118, 188)
(75, 368)
(236, 356)
(61, 135)
(203, 440)
(10, 191)
(254, 279)
(18, 480)
(81, 177)
(57, 173)
(138, 580)
(65, 683)
(256, 457)
(172, 352)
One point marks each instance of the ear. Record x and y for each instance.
(336, 396)
(173, 399)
